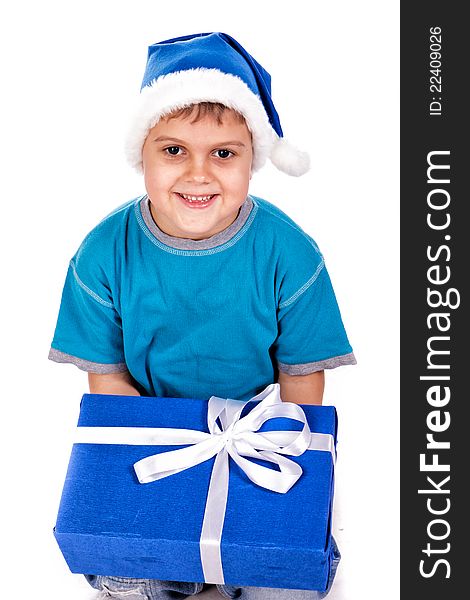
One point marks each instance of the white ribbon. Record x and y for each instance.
(229, 435)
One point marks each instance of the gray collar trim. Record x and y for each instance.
(186, 244)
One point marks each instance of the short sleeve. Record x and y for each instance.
(311, 334)
(89, 330)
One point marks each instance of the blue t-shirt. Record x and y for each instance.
(195, 318)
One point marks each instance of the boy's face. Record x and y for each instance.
(197, 174)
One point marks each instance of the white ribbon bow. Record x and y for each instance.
(235, 436)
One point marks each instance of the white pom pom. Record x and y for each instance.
(289, 159)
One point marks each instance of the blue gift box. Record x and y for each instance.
(111, 524)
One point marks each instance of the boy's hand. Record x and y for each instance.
(120, 384)
(302, 389)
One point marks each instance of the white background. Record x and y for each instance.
(70, 73)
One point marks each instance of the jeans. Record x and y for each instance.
(121, 588)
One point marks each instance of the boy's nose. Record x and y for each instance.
(198, 171)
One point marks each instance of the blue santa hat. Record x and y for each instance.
(212, 67)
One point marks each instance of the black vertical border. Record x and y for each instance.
(420, 134)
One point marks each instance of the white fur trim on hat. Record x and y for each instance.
(183, 88)
(289, 159)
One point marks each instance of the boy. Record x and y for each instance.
(197, 288)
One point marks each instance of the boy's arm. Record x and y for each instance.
(302, 389)
(120, 384)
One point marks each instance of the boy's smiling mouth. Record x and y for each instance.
(196, 201)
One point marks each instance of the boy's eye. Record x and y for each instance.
(173, 150)
(222, 153)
